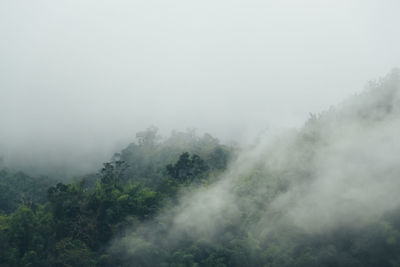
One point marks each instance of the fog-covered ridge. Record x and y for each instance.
(340, 171)
(325, 194)
(79, 79)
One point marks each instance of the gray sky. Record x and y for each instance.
(86, 75)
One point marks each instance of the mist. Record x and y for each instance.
(336, 174)
(79, 79)
(199, 133)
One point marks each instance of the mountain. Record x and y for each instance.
(326, 194)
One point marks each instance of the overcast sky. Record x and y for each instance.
(86, 75)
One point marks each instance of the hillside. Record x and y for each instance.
(323, 195)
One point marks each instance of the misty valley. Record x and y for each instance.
(326, 194)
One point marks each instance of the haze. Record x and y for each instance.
(78, 79)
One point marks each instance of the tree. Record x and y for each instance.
(187, 168)
(148, 137)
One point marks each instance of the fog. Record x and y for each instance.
(339, 171)
(78, 79)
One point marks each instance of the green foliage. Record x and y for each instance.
(17, 188)
(72, 252)
(80, 219)
(79, 223)
(145, 160)
(187, 168)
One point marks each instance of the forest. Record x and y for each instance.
(323, 195)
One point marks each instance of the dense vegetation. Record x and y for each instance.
(72, 224)
(18, 188)
(326, 195)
